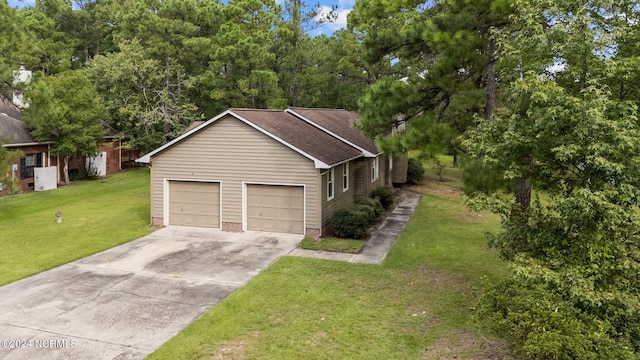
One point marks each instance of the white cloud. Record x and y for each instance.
(339, 23)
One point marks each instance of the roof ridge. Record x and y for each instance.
(308, 108)
(250, 109)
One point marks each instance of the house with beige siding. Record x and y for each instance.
(265, 170)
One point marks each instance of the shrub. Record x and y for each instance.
(415, 171)
(350, 223)
(385, 196)
(374, 204)
(369, 213)
(538, 322)
(478, 176)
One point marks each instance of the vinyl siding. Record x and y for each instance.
(232, 152)
(341, 199)
(363, 184)
(400, 166)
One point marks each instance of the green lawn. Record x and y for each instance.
(333, 244)
(96, 215)
(417, 305)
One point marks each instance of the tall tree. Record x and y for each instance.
(51, 43)
(66, 110)
(561, 126)
(11, 37)
(292, 44)
(142, 106)
(240, 72)
(443, 54)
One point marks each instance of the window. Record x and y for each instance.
(345, 177)
(330, 184)
(374, 169)
(28, 163)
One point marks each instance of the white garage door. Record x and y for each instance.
(194, 204)
(275, 208)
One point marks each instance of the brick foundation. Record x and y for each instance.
(313, 233)
(231, 227)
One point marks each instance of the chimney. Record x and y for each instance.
(22, 76)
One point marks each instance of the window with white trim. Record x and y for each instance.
(374, 169)
(345, 177)
(330, 183)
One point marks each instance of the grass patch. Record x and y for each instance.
(417, 305)
(96, 215)
(352, 246)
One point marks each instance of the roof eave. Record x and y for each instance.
(146, 159)
(26, 144)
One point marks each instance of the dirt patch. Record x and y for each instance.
(230, 350)
(422, 189)
(471, 217)
(465, 345)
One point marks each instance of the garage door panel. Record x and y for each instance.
(275, 208)
(194, 204)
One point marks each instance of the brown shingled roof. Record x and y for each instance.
(14, 131)
(8, 108)
(300, 134)
(339, 122)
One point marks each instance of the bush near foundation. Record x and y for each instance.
(350, 223)
(385, 196)
(353, 222)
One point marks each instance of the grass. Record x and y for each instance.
(352, 246)
(96, 215)
(417, 305)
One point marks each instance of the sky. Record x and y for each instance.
(344, 7)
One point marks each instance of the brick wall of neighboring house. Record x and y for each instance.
(111, 147)
(38, 156)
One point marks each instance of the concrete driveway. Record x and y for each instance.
(125, 302)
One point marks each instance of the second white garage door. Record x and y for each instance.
(193, 203)
(275, 208)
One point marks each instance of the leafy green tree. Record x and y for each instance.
(240, 71)
(11, 38)
(66, 110)
(443, 54)
(147, 111)
(51, 43)
(569, 134)
(7, 157)
(292, 46)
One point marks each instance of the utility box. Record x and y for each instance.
(46, 178)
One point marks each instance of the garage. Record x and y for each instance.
(275, 208)
(193, 203)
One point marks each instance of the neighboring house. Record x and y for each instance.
(35, 154)
(265, 170)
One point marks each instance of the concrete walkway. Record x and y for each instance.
(376, 248)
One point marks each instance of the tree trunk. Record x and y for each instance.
(523, 193)
(491, 82)
(86, 40)
(455, 157)
(65, 170)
